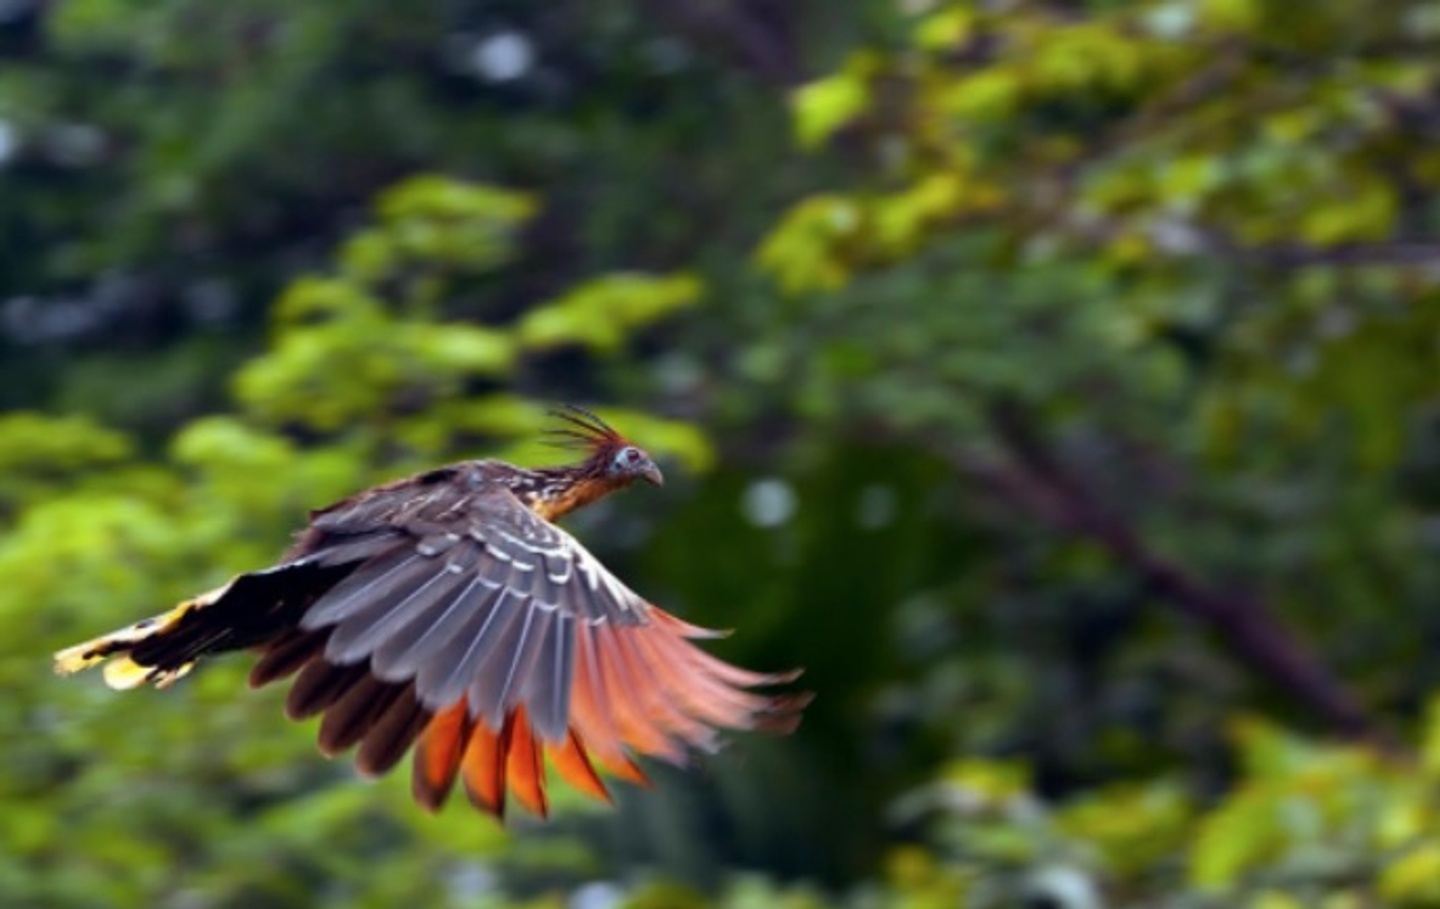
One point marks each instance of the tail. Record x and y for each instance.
(251, 609)
(115, 649)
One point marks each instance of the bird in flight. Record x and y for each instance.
(449, 612)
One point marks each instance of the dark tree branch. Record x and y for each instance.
(1038, 482)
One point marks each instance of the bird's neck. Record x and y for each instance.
(552, 492)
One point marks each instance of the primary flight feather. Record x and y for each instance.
(447, 612)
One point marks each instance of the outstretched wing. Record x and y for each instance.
(439, 612)
(492, 636)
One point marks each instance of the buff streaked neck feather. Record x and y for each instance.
(576, 495)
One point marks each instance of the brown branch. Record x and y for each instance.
(1038, 482)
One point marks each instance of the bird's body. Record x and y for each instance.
(447, 611)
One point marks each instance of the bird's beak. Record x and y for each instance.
(652, 475)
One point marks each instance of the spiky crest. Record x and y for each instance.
(584, 431)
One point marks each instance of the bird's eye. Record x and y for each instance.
(627, 458)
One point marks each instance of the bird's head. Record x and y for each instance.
(612, 458)
(629, 463)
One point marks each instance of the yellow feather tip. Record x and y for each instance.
(74, 659)
(124, 673)
(166, 679)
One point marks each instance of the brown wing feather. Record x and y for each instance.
(592, 720)
(484, 766)
(353, 714)
(438, 755)
(320, 684)
(386, 742)
(524, 765)
(285, 656)
(573, 764)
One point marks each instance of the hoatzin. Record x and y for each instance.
(448, 611)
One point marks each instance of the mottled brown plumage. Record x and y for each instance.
(445, 612)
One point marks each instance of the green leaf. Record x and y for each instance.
(602, 313)
(824, 106)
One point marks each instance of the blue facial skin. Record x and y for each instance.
(632, 463)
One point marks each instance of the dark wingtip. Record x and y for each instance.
(432, 800)
(783, 715)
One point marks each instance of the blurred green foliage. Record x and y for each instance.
(258, 255)
(106, 532)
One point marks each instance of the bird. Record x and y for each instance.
(448, 614)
